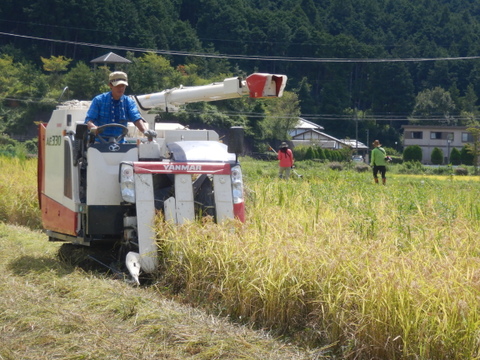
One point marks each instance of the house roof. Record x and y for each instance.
(305, 124)
(316, 132)
(352, 143)
(110, 58)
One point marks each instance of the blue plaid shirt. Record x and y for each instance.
(105, 110)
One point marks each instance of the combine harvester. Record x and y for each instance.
(96, 192)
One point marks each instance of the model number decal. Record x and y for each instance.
(54, 140)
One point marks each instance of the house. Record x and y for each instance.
(436, 136)
(309, 133)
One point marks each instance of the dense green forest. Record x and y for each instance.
(381, 62)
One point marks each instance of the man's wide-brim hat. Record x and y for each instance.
(118, 78)
(283, 145)
(376, 143)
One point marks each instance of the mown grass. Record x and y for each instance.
(332, 261)
(50, 309)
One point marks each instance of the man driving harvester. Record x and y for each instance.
(114, 107)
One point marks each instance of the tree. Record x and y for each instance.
(455, 157)
(465, 156)
(152, 73)
(81, 82)
(55, 65)
(412, 153)
(436, 105)
(387, 98)
(12, 77)
(469, 101)
(437, 156)
(474, 147)
(281, 116)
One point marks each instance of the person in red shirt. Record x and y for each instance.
(286, 161)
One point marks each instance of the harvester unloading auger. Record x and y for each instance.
(109, 192)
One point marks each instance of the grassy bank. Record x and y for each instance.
(335, 262)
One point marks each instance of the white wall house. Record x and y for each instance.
(429, 137)
(309, 133)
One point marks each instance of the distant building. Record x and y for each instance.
(308, 133)
(110, 58)
(435, 136)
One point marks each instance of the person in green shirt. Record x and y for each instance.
(378, 160)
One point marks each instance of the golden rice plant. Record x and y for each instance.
(336, 261)
(18, 191)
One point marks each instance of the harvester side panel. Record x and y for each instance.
(57, 217)
(57, 197)
(41, 163)
(222, 186)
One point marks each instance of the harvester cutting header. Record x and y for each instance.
(109, 191)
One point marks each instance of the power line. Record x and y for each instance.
(311, 117)
(246, 57)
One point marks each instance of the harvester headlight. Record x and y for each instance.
(237, 184)
(127, 182)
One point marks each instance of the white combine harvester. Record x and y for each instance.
(109, 191)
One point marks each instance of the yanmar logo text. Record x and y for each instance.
(183, 167)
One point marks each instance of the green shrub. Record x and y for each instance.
(411, 167)
(412, 153)
(466, 156)
(442, 170)
(31, 146)
(299, 152)
(321, 154)
(310, 154)
(437, 156)
(455, 157)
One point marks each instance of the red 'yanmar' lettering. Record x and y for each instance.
(160, 167)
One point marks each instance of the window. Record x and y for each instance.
(438, 135)
(417, 134)
(467, 137)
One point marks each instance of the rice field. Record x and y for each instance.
(359, 270)
(329, 260)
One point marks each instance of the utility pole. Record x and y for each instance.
(367, 157)
(356, 132)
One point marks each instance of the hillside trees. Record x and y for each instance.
(22, 91)
(343, 33)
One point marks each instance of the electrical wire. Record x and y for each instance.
(311, 117)
(246, 57)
